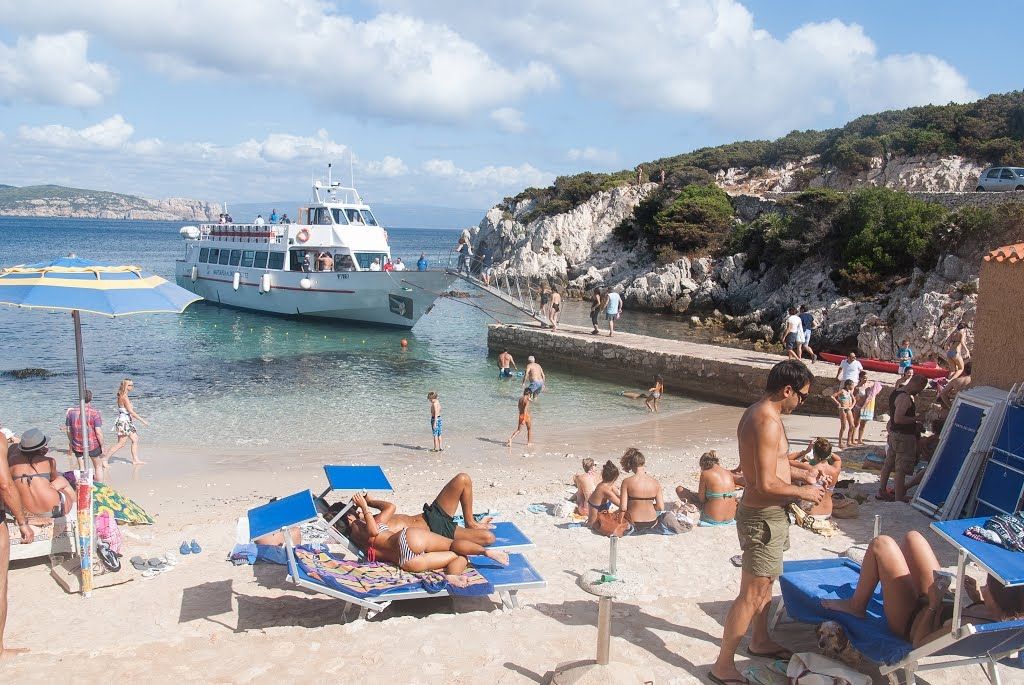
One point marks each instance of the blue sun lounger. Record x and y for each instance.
(806, 583)
(299, 508)
(353, 479)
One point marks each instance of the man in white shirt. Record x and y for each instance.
(399, 264)
(375, 265)
(793, 334)
(259, 220)
(849, 369)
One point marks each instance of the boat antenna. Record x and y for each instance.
(328, 174)
(351, 172)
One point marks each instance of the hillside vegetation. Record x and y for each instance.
(11, 196)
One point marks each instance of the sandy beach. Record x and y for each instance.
(209, 621)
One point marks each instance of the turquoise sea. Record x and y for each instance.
(218, 376)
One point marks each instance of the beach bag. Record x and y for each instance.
(108, 532)
(612, 524)
(807, 668)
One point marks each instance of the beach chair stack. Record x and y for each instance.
(302, 507)
(806, 583)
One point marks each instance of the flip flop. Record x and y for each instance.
(777, 654)
(887, 498)
(139, 563)
(737, 560)
(727, 681)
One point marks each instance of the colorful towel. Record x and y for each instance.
(370, 579)
(1005, 530)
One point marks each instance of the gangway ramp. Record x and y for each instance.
(509, 290)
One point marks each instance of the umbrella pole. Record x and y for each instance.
(85, 514)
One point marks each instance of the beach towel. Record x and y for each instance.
(1005, 530)
(370, 579)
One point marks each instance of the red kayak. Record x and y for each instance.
(927, 369)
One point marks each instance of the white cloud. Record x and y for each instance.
(389, 167)
(705, 57)
(109, 134)
(509, 119)
(53, 70)
(592, 154)
(391, 65)
(495, 177)
(283, 147)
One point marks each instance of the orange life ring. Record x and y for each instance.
(303, 235)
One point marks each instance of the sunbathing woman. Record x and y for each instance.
(912, 599)
(716, 492)
(641, 498)
(605, 494)
(585, 482)
(409, 547)
(43, 490)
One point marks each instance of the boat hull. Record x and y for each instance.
(870, 364)
(396, 299)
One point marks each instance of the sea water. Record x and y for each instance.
(218, 376)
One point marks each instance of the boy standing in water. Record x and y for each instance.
(524, 418)
(435, 421)
(654, 394)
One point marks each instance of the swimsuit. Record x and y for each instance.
(720, 495)
(58, 511)
(435, 426)
(601, 507)
(405, 555)
(704, 521)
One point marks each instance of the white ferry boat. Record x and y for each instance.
(328, 264)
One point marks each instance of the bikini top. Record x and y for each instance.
(27, 477)
(601, 507)
(720, 495)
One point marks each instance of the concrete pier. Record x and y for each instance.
(722, 374)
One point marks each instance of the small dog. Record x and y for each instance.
(832, 641)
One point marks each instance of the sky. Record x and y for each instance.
(447, 103)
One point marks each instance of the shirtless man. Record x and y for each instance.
(505, 364)
(533, 380)
(762, 524)
(556, 308)
(10, 502)
(439, 517)
(524, 419)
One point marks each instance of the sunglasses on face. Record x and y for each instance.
(801, 395)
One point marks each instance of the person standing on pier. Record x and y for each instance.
(613, 310)
(596, 304)
(793, 335)
(762, 524)
(556, 307)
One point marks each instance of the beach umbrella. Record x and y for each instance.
(123, 509)
(82, 285)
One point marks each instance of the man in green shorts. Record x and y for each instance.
(762, 524)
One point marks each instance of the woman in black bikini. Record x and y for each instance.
(911, 597)
(43, 490)
(604, 495)
(641, 492)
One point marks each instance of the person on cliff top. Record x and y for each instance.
(793, 335)
(435, 421)
(596, 304)
(533, 378)
(762, 524)
(807, 321)
(612, 310)
(524, 419)
(654, 394)
(505, 364)
(556, 308)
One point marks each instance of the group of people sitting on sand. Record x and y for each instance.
(717, 494)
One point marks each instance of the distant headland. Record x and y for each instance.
(79, 203)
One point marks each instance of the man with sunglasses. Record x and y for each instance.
(762, 523)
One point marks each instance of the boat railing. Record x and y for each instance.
(509, 287)
(244, 233)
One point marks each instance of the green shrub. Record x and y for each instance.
(697, 220)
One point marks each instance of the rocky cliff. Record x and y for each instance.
(577, 251)
(59, 201)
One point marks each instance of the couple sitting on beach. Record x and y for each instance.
(430, 541)
(639, 502)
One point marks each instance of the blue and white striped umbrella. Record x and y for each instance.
(73, 284)
(82, 285)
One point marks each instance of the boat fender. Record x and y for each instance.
(303, 235)
(195, 273)
(306, 284)
(265, 283)
(236, 281)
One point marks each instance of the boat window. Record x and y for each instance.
(204, 254)
(369, 218)
(224, 256)
(343, 262)
(366, 258)
(295, 262)
(247, 257)
(321, 216)
(354, 216)
(339, 217)
(276, 260)
(261, 260)
(236, 256)
(213, 255)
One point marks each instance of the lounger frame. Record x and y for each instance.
(305, 512)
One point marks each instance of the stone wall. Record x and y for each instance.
(704, 371)
(998, 327)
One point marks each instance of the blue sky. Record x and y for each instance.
(450, 103)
